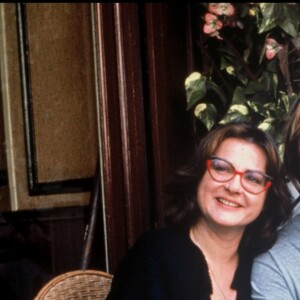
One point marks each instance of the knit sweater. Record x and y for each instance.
(166, 265)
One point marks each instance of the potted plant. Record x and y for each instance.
(249, 67)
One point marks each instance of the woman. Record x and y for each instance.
(226, 207)
(276, 273)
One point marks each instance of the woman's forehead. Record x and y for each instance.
(242, 154)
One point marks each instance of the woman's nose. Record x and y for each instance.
(234, 185)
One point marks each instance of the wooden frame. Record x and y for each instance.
(52, 169)
(124, 162)
(35, 187)
(141, 69)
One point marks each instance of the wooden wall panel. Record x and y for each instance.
(4, 188)
(142, 54)
(126, 202)
(143, 60)
(62, 98)
(169, 54)
(63, 89)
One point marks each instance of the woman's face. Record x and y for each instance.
(228, 203)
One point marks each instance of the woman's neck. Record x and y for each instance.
(217, 243)
(220, 248)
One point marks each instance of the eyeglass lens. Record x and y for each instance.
(223, 171)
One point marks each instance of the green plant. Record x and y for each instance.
(249, 66)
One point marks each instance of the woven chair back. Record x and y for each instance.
(80, 284)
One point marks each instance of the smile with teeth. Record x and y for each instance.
(226, 202)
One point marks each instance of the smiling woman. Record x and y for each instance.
(224, 211)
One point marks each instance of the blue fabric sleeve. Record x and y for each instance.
(267, 281)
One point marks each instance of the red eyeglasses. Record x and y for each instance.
(221, 170)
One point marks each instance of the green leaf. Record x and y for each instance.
(218, 91)
(207, 113)
(285, 102)
(225, 63)
(274, 127)
(258, 108)
(272, 66)
(195, 87)
(262, 54)
(254, 87)
(268, 21)
(236, 112)
(291, 100)
(238, 96)
(265, 84)
(262, 98)
(267, 125)
(289, 21)
(242, 77)
(282, 56)
(283, 15)
(227, 58)
(289, 27)
(272, 111)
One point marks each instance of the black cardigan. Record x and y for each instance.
(166, 264)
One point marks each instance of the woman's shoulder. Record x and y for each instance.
(167, 246)
(284, 248)
(164, 237)
(290, 230)
(165, 262)
(288, 238)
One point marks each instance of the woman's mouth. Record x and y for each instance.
(226, 202)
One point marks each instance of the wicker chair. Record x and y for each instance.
(79, 284)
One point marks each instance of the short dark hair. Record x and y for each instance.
(291, 156)
(183, 209)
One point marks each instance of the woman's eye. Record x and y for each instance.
(254, 178)
(222, 168)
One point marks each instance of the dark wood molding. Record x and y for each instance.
(132, 118)
(110, 143)
(143, 60)
(168, 50)
(122, 132)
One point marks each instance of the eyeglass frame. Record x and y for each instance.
(235, 172)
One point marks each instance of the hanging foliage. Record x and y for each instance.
(250, 64)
